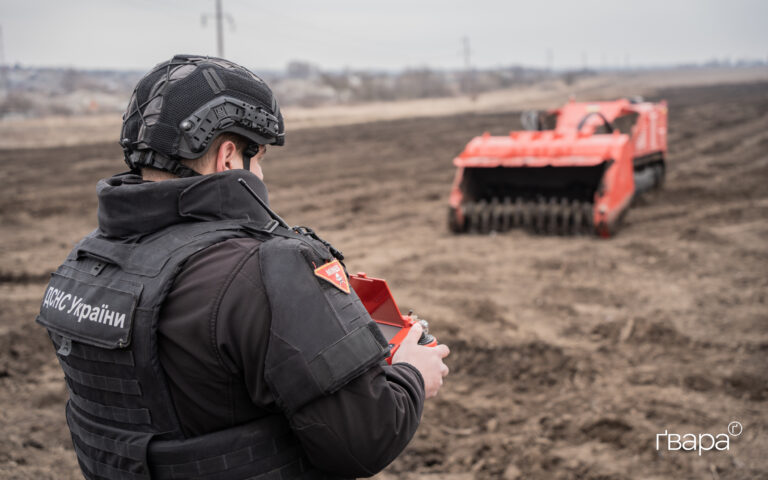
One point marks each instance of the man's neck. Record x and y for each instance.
(156, 175)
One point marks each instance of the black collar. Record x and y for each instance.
(130, 206)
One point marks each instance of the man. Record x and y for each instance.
(195, 336)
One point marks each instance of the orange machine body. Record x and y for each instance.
(602, 146)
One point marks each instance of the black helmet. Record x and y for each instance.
(182, 105)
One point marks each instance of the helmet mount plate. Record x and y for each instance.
(227, 114)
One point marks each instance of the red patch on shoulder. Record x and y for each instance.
(333, 273)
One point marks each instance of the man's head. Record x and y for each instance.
(226, 152)
(196, 115)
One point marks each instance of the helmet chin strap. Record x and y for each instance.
(250, 151)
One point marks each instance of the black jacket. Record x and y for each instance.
(213, 338)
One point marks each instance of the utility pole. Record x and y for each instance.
(4, 85)
(219, 30)
(218, 18)
(468, 68)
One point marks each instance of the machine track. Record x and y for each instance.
(549, 216)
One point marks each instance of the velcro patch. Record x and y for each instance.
(333, 273)
(95, 314)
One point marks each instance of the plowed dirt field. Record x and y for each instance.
(569, 354)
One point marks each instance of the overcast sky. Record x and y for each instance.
(391, 34)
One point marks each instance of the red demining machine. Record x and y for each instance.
(573, 170)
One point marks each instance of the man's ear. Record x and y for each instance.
(226, 157)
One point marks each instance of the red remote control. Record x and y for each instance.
(380, 304)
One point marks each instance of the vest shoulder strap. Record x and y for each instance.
(149, 256)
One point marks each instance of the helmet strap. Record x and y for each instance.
(152, 159)
(249, 152)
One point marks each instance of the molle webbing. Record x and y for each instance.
(120, 411)
(129, 416)
(119, 401)
(266, 445)
(101, 382)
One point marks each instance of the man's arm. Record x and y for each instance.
(357, 430)
(360, 429)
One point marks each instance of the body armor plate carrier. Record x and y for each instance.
(101, 310)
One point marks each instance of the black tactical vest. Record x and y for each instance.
(101, 310)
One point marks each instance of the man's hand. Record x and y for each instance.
(427, 360)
